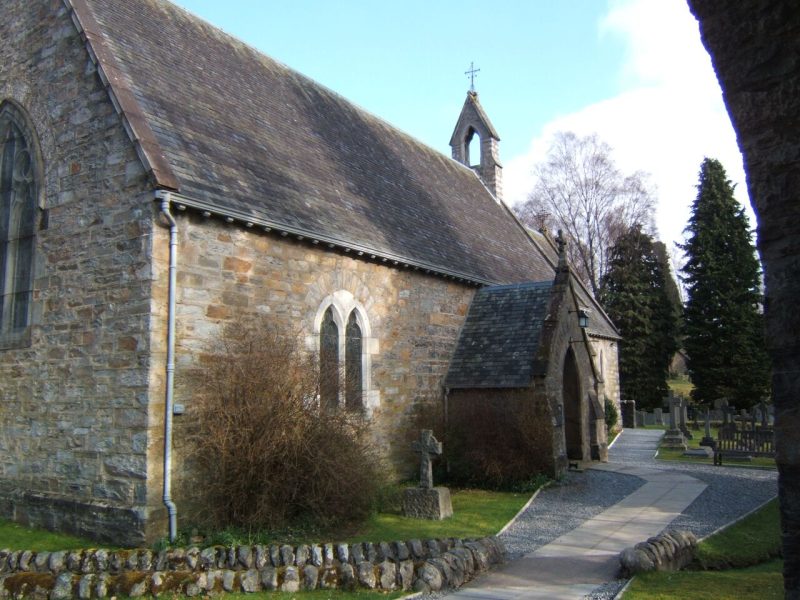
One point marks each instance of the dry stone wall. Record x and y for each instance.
(421, 565)
(668, 551)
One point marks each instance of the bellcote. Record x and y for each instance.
(483, 154)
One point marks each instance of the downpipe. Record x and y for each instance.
(172, 510)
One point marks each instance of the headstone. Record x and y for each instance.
(682, 409)
(426, 501)
(674, 436)
(707, 440)
(628, 408)
(659, 416)
(762, 407)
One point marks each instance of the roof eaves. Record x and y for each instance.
(597, 305)
(483, 116)
(122, 97)
(234, 216)
(489, 386)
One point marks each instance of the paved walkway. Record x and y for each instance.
(574, 564)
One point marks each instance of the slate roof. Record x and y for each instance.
(500, 337)
(234, 131)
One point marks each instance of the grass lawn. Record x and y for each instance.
(762, 582)
(752, 540)
(750, 545)
(476, 513)
(677, 455)
(682, 386)
(19, 537)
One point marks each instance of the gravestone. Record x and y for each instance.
(659, 416)
(707, 440)
(682, 415)
(674, 436)
(762, 413)
(426, 501)
(628, 408)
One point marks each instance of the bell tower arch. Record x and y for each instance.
(484, 156)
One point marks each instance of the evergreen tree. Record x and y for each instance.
(634, 293)
(723, 325)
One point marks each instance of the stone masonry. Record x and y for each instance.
(228, 272)
(74, 399)
(421, 565)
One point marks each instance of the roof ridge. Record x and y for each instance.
(113, 78)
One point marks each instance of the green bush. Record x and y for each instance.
(612, 415)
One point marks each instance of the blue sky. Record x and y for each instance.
(632, 71)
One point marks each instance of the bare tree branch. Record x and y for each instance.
(580, 190)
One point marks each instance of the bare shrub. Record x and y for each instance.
(499, 440)
(267, 455)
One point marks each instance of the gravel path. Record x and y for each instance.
(564, 506)
(731, 493)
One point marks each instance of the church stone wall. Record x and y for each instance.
(606, 355)
(73, 400)
(226, 272)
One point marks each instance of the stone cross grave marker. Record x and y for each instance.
(707, 439)
(427, 447)
(426, 501)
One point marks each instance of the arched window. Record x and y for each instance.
(472, 148)
(18, 191)
(329, 361)
(343, 338)
(353, 346)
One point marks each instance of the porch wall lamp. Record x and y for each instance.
(583, 317)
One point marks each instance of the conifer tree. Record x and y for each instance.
(723, 324)
(634, 293)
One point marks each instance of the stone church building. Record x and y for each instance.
(159, 179)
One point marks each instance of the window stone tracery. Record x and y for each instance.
(18, 203)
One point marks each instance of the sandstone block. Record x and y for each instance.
(427, 503)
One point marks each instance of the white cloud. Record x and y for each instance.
(669, 115)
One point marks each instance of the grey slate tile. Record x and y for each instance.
(500, 337)
(246, 133)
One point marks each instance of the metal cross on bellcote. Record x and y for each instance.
(472, 73)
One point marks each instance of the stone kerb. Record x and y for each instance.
(421, 565)
(668, 551)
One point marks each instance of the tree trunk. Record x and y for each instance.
(755, 48)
